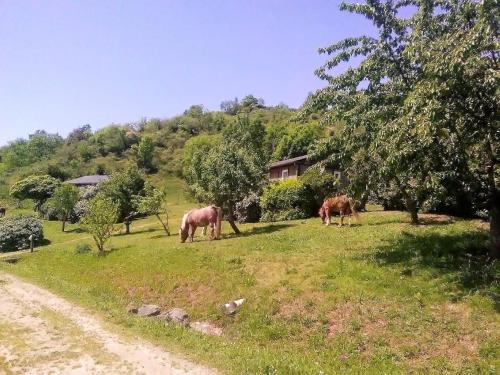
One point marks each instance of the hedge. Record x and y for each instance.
(287, 200)
(16, 230)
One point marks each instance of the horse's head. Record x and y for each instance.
(183, 234)
(184, 229)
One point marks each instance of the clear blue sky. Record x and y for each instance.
(68, 63)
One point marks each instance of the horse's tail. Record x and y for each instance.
(352, 206)
(218, 222)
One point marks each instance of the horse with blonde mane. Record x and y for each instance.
(201, 217)
(341, 204)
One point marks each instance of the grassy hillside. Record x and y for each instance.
(89, 151)
(381, 297)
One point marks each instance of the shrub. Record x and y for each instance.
(248, 209)
(83, 248)
(287, 200)
(16, 230)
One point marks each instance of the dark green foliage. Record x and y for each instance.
(16, 230)
(39, 146)
(58, 172)
(37, 188)
(287, 200)
(63, 202)
(144, 154)
(246, 133)
(121, 189)
(297, 141)
(248, 210)
(79, 134)
(114, 139)
(321, 183)
(225, 171)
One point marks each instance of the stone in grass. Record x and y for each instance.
(148, 310)
(230, 308)
(206, 328)
(132, 309)
(175, 315)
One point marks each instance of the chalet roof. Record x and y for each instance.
(89, 180)
(282, 163)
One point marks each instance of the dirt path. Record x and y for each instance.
(41, 333)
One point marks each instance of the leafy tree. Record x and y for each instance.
(42, 144)
(63, 201)
(111, 139)
(248, 134)
(369, 98)
(122, 187)
(422, 104)
(297, 141)
(228, 171)
(99, 220)
(250, 103)
(37, 188)
(81, 133)
(144, 153)
(457, 103)
(153, 202)
(16, 154)
(230, 106)
(196, 111)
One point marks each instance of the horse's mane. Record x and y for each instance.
(184, 219)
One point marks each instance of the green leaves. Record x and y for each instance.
(421, 107)
(38, 188)
(99, 219)
(64, 199)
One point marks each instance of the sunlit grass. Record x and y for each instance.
(384, 296)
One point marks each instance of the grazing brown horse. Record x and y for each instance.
(3, 210)
(341, 204)
(201, 217)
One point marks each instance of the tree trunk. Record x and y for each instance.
(411, 206)
(495, 225)
(63, 225)
(165, 226)
(230, 218)
(127, 227)
(363, 200)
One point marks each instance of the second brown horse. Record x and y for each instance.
(341, 204)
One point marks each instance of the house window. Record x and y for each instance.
(336, 174)
(284, 174)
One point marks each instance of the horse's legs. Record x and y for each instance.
(192, 229)
(212, 231)
(204, 232)
(327, 212)
(341, 219)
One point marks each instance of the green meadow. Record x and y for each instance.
(380, 297)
